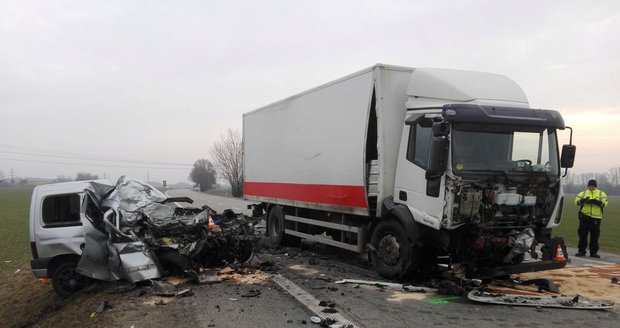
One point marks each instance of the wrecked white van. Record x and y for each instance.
(126, 231)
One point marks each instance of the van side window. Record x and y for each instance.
(61, 210)
(419, 145)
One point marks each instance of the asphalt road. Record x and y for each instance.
(310, 272)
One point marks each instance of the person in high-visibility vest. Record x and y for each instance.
(591, 203)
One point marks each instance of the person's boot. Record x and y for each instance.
(580, 254)
(594, 255)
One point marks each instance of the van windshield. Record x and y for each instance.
(508, 151)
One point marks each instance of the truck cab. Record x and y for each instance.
(484, 169)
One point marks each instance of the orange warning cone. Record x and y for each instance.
(211, 225)
(559, 255)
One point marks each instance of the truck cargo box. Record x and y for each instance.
(314, 149)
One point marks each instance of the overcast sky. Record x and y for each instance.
(158, 81)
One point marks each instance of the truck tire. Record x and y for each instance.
(66, 281)
(275, 229)
(392, 256)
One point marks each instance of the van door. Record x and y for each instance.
(410, 187)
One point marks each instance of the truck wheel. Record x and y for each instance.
(275, 229)
(66, 281)
(392, 257)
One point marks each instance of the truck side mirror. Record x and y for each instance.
(568, 156)
(437, 159)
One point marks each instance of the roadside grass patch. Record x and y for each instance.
(14, 241)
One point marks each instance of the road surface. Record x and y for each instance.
(309, 272)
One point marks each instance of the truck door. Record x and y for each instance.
(410, 187)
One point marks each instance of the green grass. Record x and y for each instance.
(14, 243)
(609, 240)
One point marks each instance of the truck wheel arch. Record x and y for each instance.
(402, 214)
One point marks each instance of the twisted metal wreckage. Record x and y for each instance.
(134, 232)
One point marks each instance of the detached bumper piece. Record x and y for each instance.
(577, 302)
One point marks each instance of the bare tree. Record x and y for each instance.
(227, 154)
(569, 182)
(602, 180)
(584, 179)
(614, 179)
(203, 174)
(81, 176)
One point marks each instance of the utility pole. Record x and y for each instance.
(12, 176)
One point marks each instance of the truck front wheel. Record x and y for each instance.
(392, 254)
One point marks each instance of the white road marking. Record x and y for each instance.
(311, 302)
(577, 259)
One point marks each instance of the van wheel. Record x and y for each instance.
(393, 254)
(67, 281)
(275, 229)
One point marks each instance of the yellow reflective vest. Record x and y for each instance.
(590, 209)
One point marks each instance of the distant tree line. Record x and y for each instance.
(609, 181)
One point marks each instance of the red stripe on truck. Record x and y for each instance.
(352, 196)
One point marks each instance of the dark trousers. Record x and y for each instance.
(592, 226)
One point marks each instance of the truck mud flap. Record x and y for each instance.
(484, 273)
(577, 302)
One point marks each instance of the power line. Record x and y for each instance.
(69, 155)
(101, 165)
(89, 159)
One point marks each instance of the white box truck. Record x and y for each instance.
(411, 165)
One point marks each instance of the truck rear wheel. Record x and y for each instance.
(275, 229)
(393, 253)
(66, 281)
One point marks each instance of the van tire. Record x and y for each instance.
(66, 281)
(392, 256)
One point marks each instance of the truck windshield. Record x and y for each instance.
(511, 151)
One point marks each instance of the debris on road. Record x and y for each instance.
(614, 280)
(563, 301)
(251, 293)
(103, 306)
(388, 285)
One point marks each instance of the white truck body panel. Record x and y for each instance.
(321, 163)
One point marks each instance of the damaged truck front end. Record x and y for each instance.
(503, 189)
